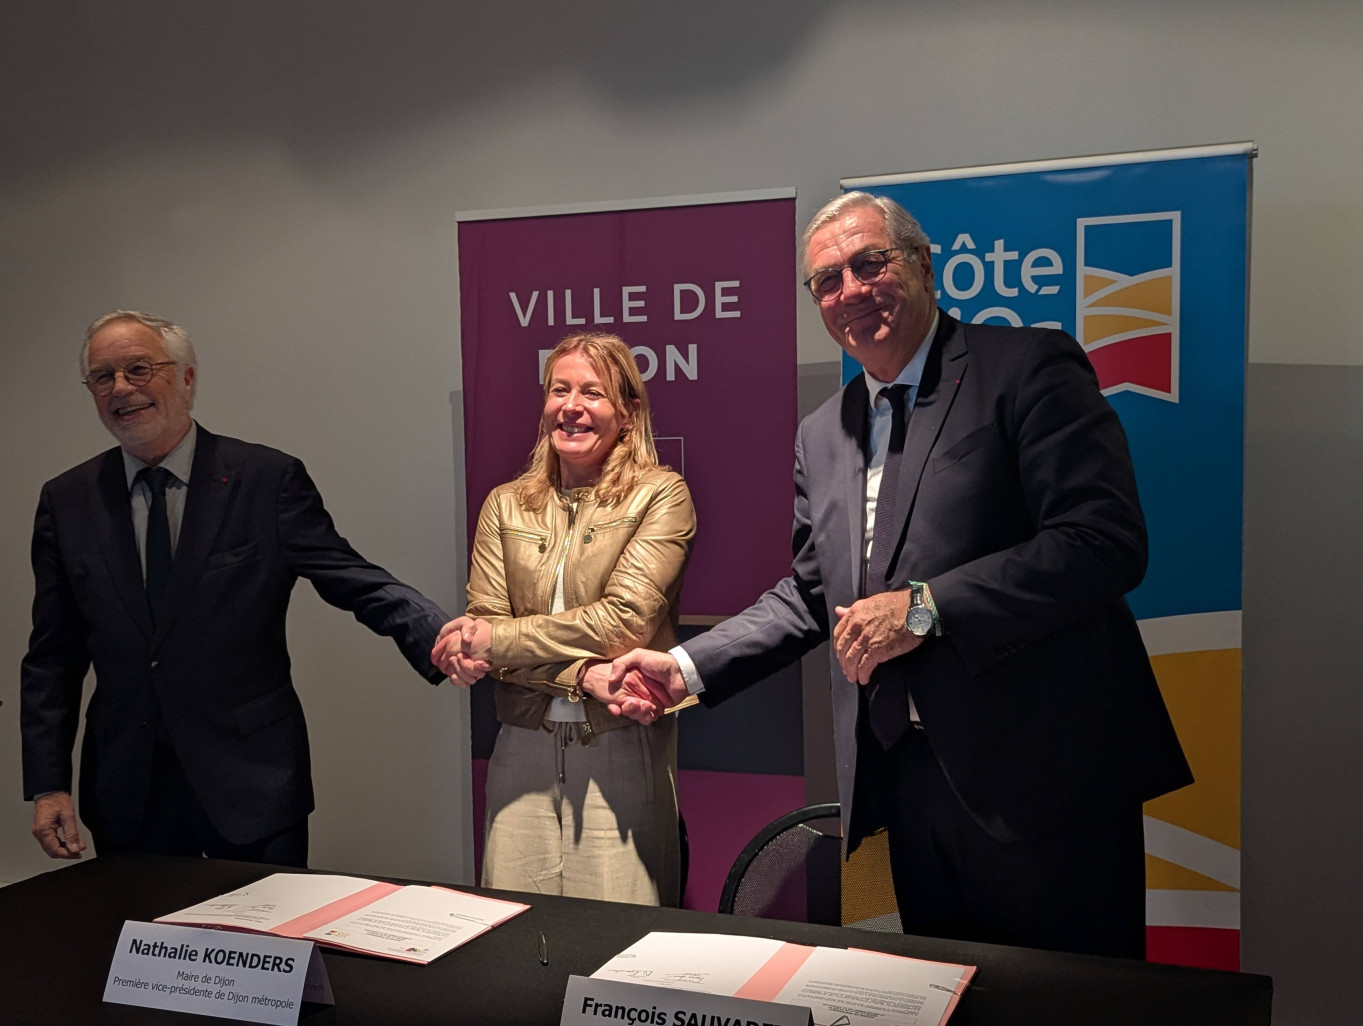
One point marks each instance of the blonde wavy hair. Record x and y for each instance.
(634, 451)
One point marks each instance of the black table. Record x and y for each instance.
(58, 932)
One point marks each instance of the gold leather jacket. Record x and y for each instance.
(622, 572)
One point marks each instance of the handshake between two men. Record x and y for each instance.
(641, 684)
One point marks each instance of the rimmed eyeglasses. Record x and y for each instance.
(867, 268)
(136, 374)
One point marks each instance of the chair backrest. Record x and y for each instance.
(791, 870)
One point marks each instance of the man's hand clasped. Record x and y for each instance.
(463, 649)
(871, 631)
(627, 694)
(642, 684)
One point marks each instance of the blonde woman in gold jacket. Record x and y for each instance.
(578, 560)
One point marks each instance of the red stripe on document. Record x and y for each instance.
(767, 982)
(335, 910)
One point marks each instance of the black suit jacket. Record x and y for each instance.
(216, 673)
(1017, 504)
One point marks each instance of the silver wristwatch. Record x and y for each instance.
(919, 618)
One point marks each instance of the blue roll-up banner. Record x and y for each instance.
(1143, 257)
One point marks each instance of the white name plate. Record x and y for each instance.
(606, 1002)
(244, 976)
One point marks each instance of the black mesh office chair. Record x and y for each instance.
(791, 870)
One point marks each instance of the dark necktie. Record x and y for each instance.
(158, 541)
(884, 538)
(888, 695)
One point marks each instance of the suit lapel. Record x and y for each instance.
(210, 486)
(117, 540)
(854, 441)
(937, 390)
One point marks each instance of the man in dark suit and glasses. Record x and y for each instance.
(966, 525)
(166, 563)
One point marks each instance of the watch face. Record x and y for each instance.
(919, 621)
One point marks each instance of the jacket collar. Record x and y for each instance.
(943, 372)
(942, 376)
(212, 482)
(206, 500)
(117, 541)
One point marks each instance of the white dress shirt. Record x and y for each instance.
(179, 461)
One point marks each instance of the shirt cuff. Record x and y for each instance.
(694, 685)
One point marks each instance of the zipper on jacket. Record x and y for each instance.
(563, 555)
(618, 522)
(517, 532)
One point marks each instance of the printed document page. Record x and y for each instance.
(416, 924)
(840, 987)
(711, 963)
(269, 903)
(864, 986)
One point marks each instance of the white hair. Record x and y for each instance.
(173, 337)
(903, 229)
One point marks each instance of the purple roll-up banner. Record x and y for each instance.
(702, 289)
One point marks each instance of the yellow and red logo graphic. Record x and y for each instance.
(1127, 316)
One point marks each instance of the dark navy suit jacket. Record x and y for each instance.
(216, 673)
(1017, 504)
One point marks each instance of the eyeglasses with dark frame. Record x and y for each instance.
(138, 373)
(868, 268)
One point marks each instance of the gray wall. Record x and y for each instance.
(1303, 703)
(282, 178)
